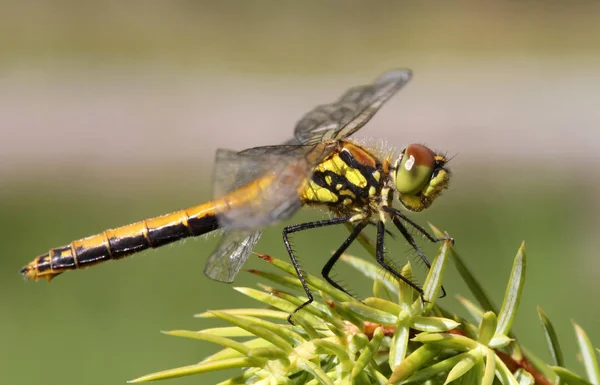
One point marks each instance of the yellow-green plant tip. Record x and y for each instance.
(514, 289)
(197, 369)
(228, 331)
(473, 309)
(487, 327)
(315, 313)
(280, 303)
(379, 377)
(287, 281)
(433, 324)
(399, 343)
(275, 334)
(203, 336)
(316, 371)
(380, 290)
(312, 280)
(490, 368)
(590, 361)
(266, 298)
(435, 369)
(358, 342)
(226, 354)
(568, 377)
(333, 376)
(421, 356)
(308, 327)
(437, 232)
(254, 312)
(241, 379)
(371, 271)
(473, 376)
(383, 305)
(499, 341)
(433, 282)
(361, 379)
(470, 330)
(343, 314)
(368, 353)
(467, 362)
(504, 375)
(338, 331)
(268, 313)
(333, 347)
(445, 340)
(523, 377)
(367, 313)
(268, 353)
(407, 292)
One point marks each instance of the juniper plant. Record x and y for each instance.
(393, 337)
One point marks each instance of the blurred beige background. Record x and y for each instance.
(112, 111)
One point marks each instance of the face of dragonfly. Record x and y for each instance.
(419, 176)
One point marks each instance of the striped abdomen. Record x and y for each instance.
(149, 233)
(123, 241)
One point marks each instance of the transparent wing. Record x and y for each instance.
(347, 115)
(230, 255)
(262, 184)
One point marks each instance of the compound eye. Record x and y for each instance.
(415, 169)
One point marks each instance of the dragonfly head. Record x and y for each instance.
(419, 176)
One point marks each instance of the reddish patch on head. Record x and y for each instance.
(253, 271)
(423, 155)
(331, 304)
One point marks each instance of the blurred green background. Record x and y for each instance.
(111, 112)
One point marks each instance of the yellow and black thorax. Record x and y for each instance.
(349, 179)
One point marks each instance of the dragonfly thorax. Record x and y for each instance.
(350, 179)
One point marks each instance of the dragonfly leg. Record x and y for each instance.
(380, 254)
(301, 227)
(397, 213)
(334, 258)
(411, 241)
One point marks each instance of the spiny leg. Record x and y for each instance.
(397, 213)
(388, 232)
(334, 258)
(380, 253)
(301, 227)
(411, 241)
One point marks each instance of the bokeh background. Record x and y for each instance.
(112, 111)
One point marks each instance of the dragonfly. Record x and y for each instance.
(258, 187)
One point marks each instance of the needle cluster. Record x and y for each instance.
(393, 337)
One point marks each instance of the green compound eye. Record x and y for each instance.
(415, 169)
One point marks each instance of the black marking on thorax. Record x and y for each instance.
(365, 170)
(338, 183)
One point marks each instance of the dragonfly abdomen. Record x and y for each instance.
(123, 241)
